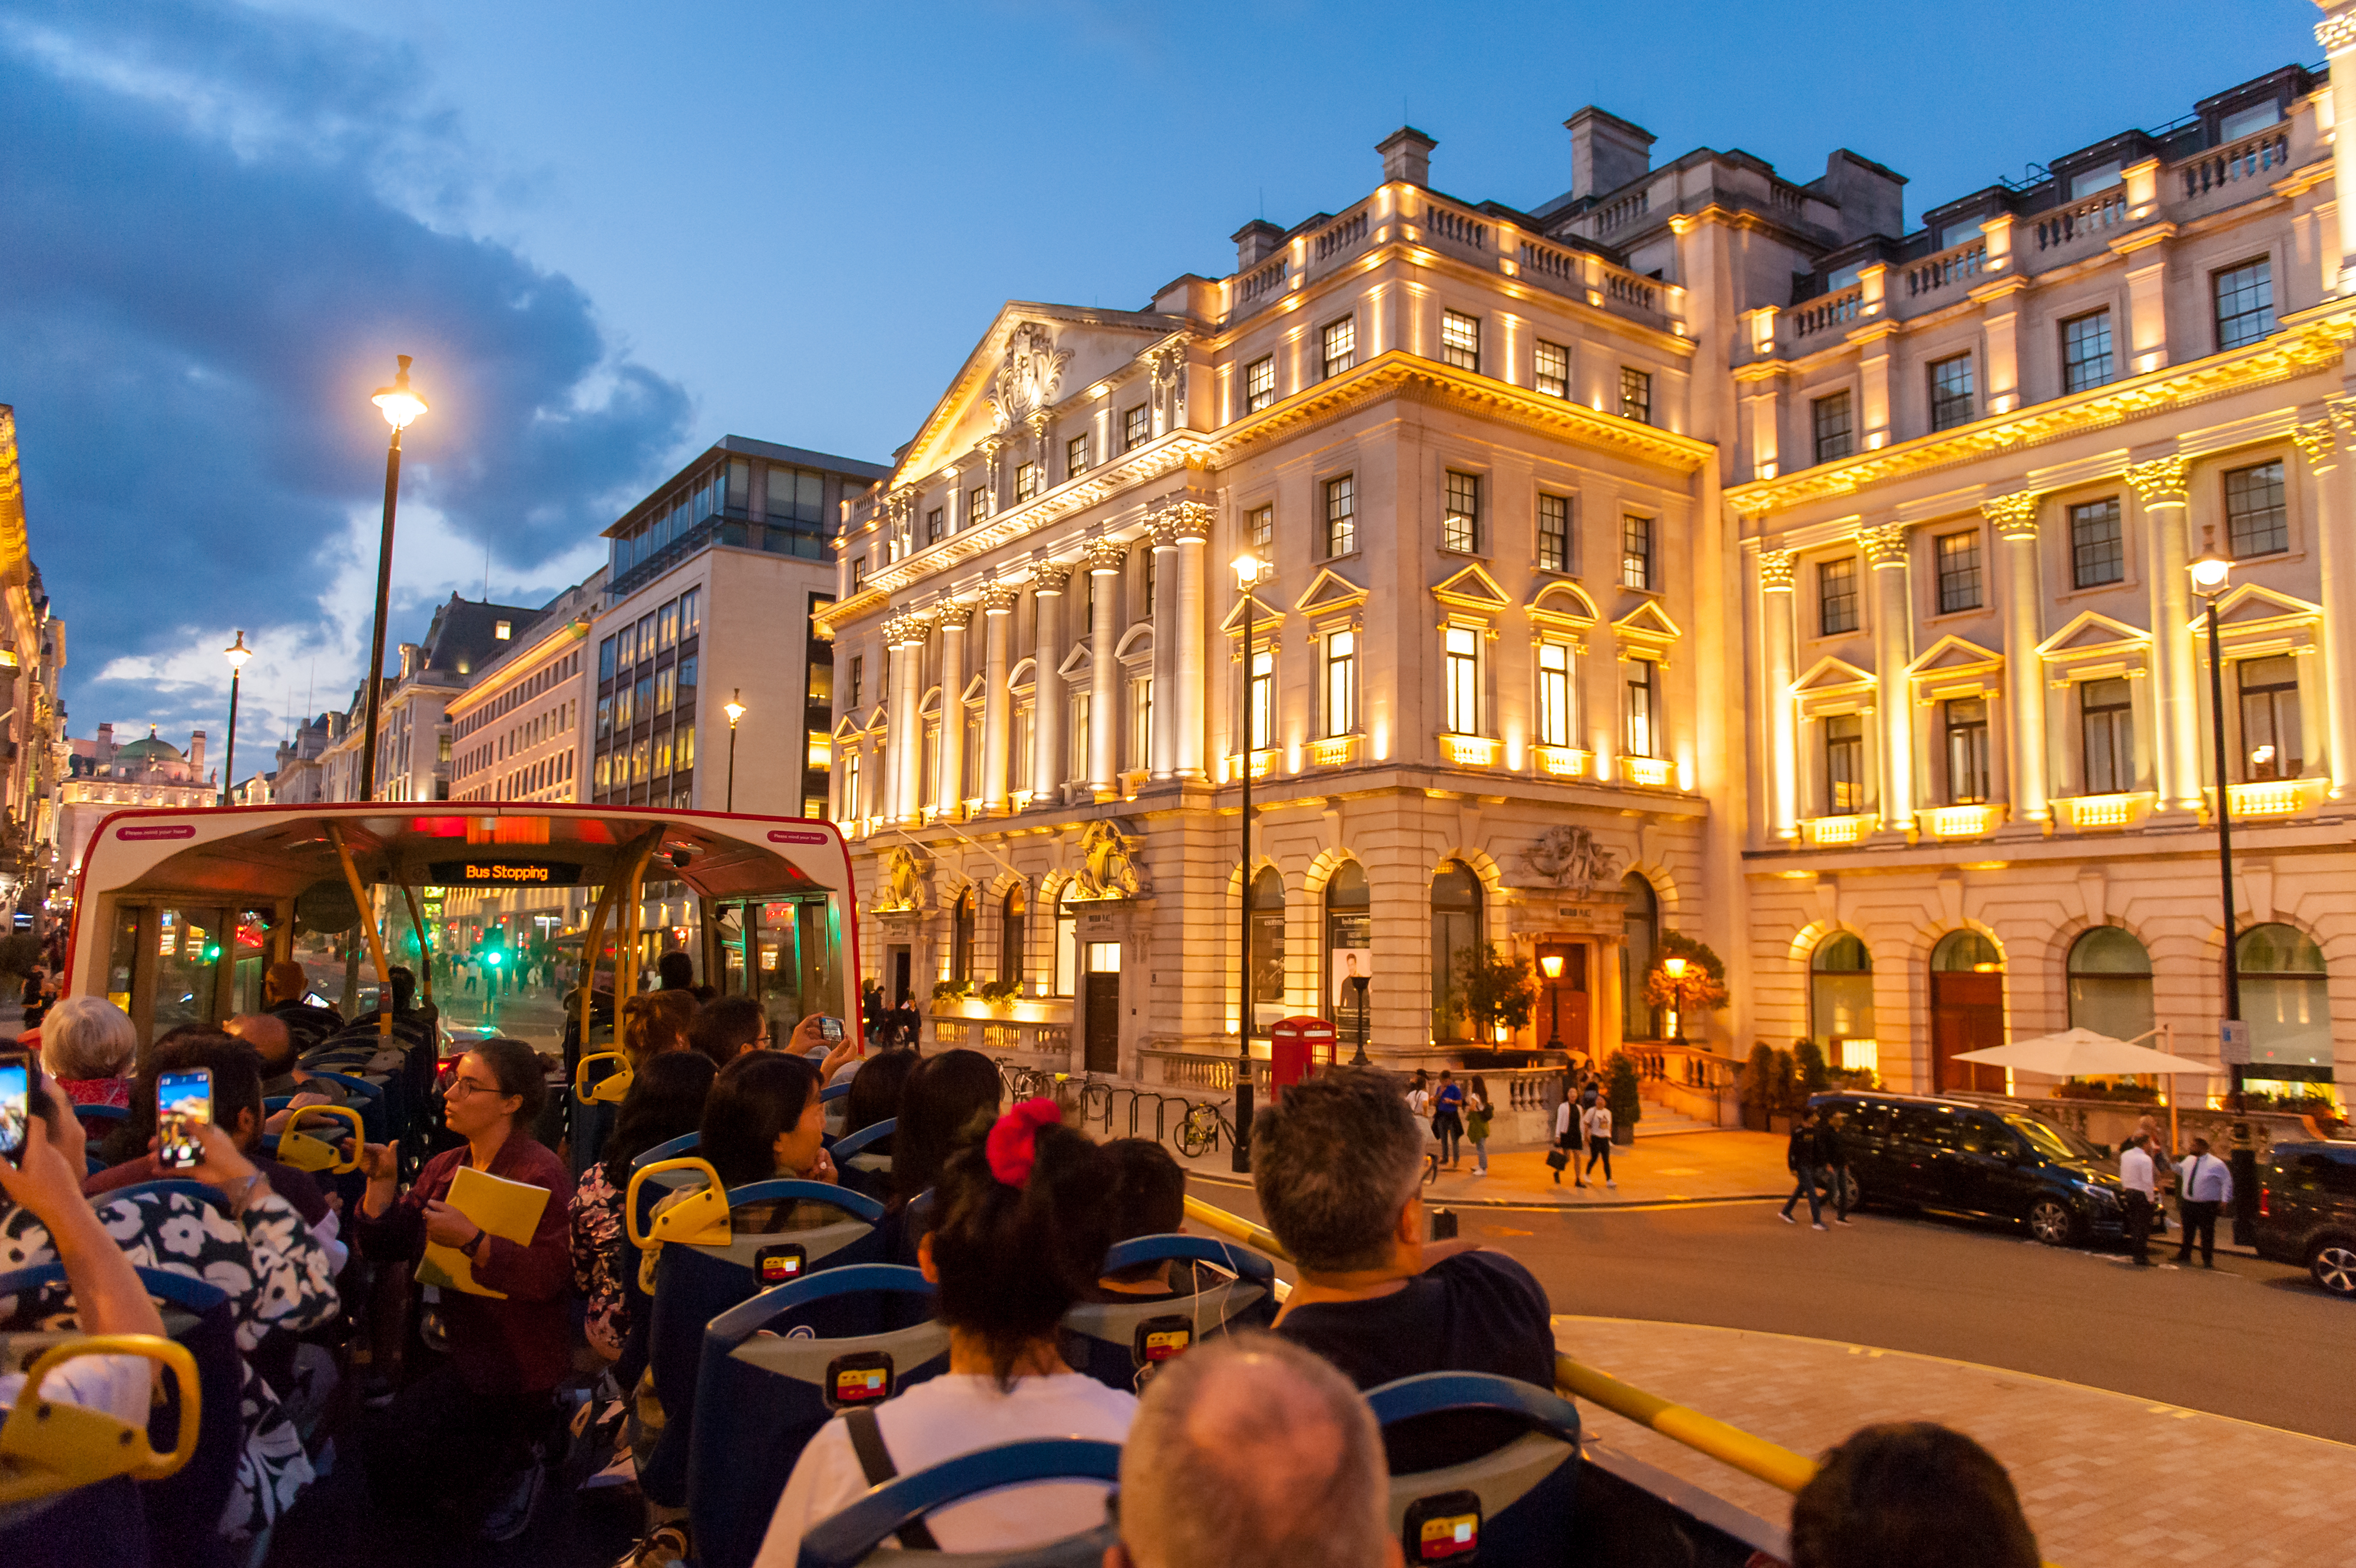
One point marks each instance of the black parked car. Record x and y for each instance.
(2306, 1212)
(1908, 1151)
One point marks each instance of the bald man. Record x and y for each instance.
(1250, 1452)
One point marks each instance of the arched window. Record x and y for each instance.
(1456, 931)
(961, 939)
(1966, 952)
(1267, 947)
(1009, 936)
(2284, 998)
(1840, 999)
(2110, 983)
(1641, 922)
(1068, 943)
(1349, 938)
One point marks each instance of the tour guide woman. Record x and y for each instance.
(472, 1416)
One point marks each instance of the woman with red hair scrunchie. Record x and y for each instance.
(1019, 1230)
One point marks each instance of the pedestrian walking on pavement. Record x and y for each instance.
(1447, 1118)
(1596, 1122)
(1800, 1156)
(1419, 1095)
(2135, 1172)
(1567, 1140)
(1832, 1164)
(2208, 1186)
(1476, 1123)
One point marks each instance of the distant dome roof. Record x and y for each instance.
(148, 753)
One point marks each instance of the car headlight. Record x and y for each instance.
(2100, 1194)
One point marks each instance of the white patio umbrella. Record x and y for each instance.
(2081, 1053)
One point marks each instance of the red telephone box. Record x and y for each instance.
(1295, 1046)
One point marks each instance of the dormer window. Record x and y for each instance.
(504, 631)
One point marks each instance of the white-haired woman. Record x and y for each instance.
(90, 1047)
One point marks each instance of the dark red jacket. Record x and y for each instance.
(521, 1345)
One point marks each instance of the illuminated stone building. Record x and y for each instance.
(1699, 549)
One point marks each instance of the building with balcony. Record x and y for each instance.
(32, 720)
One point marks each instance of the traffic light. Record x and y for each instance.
(493, 958)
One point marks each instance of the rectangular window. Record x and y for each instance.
(1551, 371)
(1340, 515)
(1263, 697)
(2086, 351)
(643, 706)
(1837, 596)
(625, 707)
(606, 659)
(1460, 340)
(858, 573)
(1636, 552)
(1259, 526)
(858, 676)
(604, 724)
(1951, 393)
(935, 524)
(1076, 456)
(977, 505)
(1340, 346)
(2255, 521)
(1835, 426)
(1636, 394)
(686, 676)
(1151, 567)
(667, 634)
(1463, 680)
(1644, 703)
(1967, 750)
(1959, 572)
(1135, 428)
(666, 690)
(2270, 738)
(1077, 764)
(1554, 695)
(1554, 533)
(1259, 383)
(1341, 682)
(1026, 481)
(626, 646)
(2245, 303)
(690, 613)
(1140, 722)
(1459, 529)
(1844, 765)
(2106, 736)
(662, 755)
(2097, 548)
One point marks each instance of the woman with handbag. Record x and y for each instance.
(1476, 1124)
(1566, 1138)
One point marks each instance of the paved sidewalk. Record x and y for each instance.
(2105, 1478)
(1693, 1168)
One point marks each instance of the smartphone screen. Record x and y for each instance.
(16, 1102)
(184, 1101)
(831, 1030)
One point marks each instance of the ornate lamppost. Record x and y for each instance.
(237, 653)
(2209, 572)
(734, 709)
(400, 407)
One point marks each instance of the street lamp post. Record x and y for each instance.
(1358, 983)
(734, 709)
(400, 407)
(1551, 965)
(1247, 574)
(237, 653)
(1674, 968)
(2209, 573)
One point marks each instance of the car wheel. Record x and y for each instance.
(2333, 1267)
(2051, 1221)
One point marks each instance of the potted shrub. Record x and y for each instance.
(1759, 1088)
(1496, 993)
(1627, 1105)
(999, 994)
(1809, 1063)
(952, 990)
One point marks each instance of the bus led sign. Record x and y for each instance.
(505, 873)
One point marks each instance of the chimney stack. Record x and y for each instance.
(1255, 243)
(1406, 155)
(1606, 152)
(196, 752)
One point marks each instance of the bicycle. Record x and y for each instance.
(1199, 1133)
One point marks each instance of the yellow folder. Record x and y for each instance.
(507, 1209)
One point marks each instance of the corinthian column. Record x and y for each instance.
(1192, 521)
(1163, 743)
(1106, 563)
(998, 602)
(907, 718)
(1047, 583)
(1775, 609)
(2320, 442)
(2162, 496)
(1885, 553)
(2337, 34)
(950, 795)
(2015, 517)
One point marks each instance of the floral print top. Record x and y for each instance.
(599, 1245)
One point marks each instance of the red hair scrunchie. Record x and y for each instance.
(1014, 1142)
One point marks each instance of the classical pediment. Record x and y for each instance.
(2093, 632)
(1564, 605)
(2253, 606)
(1828, 675)
(1266, 617)
(1955, 655)
(847, 730)
(1648, 622)
(1331, 591)
(1472, 589)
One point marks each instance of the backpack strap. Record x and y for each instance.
(876, 1461)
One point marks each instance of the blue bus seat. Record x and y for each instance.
(833, 1097)
(861, 1166)
(1118, 1342)
(685, 1144)
(852, 1536)
(763, 1389)
(696, 1283)
(181, 1513)
(1511, 1506)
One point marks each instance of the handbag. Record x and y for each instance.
(1558, 1157)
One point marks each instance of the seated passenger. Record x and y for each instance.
(655, 1022)
(479, 1416)
(89, 1049)
(1018, 1230)
(1337, 1166)
(876, 1088)
(762, 1121)
(665, 1101)
(948, 1098)
(1248, 1451)
(1911, 1492)
(1148, 1199)
(283, 987)
(725, 1029)
(275, 1045)
(675, 971)
(404, 996)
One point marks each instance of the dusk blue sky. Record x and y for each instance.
(612, 233)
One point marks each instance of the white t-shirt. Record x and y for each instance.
(940, 1419)
(1597, 1122)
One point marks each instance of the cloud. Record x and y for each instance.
(221, 225)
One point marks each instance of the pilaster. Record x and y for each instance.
(2014, 518)
(2320, 442)
(1886, 554)
(2164, 500)
(1777, 606)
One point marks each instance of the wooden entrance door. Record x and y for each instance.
(901, 984)
(1101, 1035)
(1564, 1014)
(1967, 1015)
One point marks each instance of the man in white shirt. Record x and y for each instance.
(2207, 1187)
(2135, 1172)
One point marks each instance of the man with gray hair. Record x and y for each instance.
(1338, 1164)
(1246, 1452)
